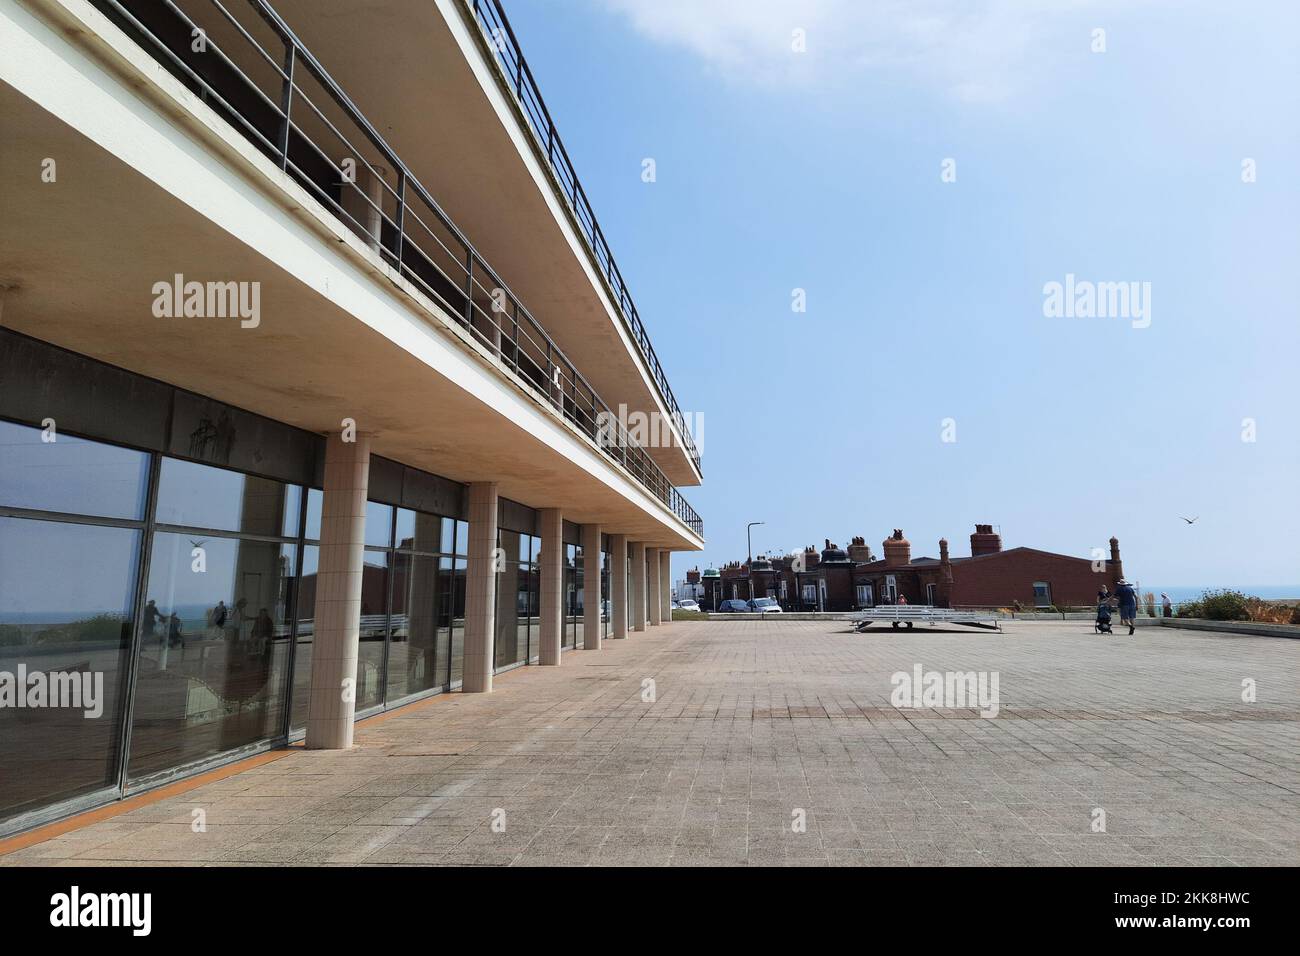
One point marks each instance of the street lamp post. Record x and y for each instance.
(749, 546)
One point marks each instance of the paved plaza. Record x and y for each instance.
(775, 743)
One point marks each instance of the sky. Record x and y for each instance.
(1116, 157)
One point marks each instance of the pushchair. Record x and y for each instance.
(1103, 619)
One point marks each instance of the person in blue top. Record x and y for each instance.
(1128, 604)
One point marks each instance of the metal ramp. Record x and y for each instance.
(907, 615)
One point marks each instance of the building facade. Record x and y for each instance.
(689, 588)
(837, 579)
(299, 421)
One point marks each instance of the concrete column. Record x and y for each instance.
(666, 586)
(591, 601)
(363, 200)
(336, 632)
(618, 584)
(551, 583)
(637, 588)
(654, 615)
(480, 588)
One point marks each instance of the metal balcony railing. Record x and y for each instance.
(256, 74)
(501, 38)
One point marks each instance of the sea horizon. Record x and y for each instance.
(1179, 593)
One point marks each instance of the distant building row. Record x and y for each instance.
(845, 580)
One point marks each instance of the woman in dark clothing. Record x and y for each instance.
(1128, 604)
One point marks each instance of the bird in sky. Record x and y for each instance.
(1191, 520)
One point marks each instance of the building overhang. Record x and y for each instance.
(471, 147)
(148, 186)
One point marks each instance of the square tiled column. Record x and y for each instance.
(336, 630)
(480, 587)
(666, 586)
(654, 617)
(552, 584)
(618, 584)
(591, 599)
(637, 586)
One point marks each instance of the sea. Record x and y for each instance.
(1179, 593)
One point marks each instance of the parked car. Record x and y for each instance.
(688, 605)
(765, 605)
(733, 607)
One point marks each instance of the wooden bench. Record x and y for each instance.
(906, 615)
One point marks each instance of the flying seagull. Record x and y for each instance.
(1191, 520)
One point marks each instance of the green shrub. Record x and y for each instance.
(1224, 605)
(1190, 609)
(11, 635)
(682, 615)
(100, 629)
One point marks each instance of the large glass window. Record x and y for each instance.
(420, 623)
(200, 496)
(606, 610)
(304, 635)
(43, 470)
(573, 578)
(374, 628)
(65, 611)
(412, 631)
(214, 648)
(221, 630)
(517, 598)
(459, 573)
(379, 525)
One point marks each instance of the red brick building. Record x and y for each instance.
(836, 579)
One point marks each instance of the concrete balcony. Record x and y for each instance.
(447, 84)
(374, 305)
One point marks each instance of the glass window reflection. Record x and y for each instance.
(214, 649)
(65, 609)
(47, 471)
(374, 629)
(418, 632)
(379, 525)
(200, 496)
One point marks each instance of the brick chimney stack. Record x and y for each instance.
(1116, 566)
(945, 575)
(898, 550)
(859, 551)
(985, 541)
(811, 558)
(693, 576)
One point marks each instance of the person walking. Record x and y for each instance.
(1166, 605)
(151, 618)
(1128, 604)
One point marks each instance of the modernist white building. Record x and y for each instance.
(307, 336)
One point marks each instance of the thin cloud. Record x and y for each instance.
(972, 50)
